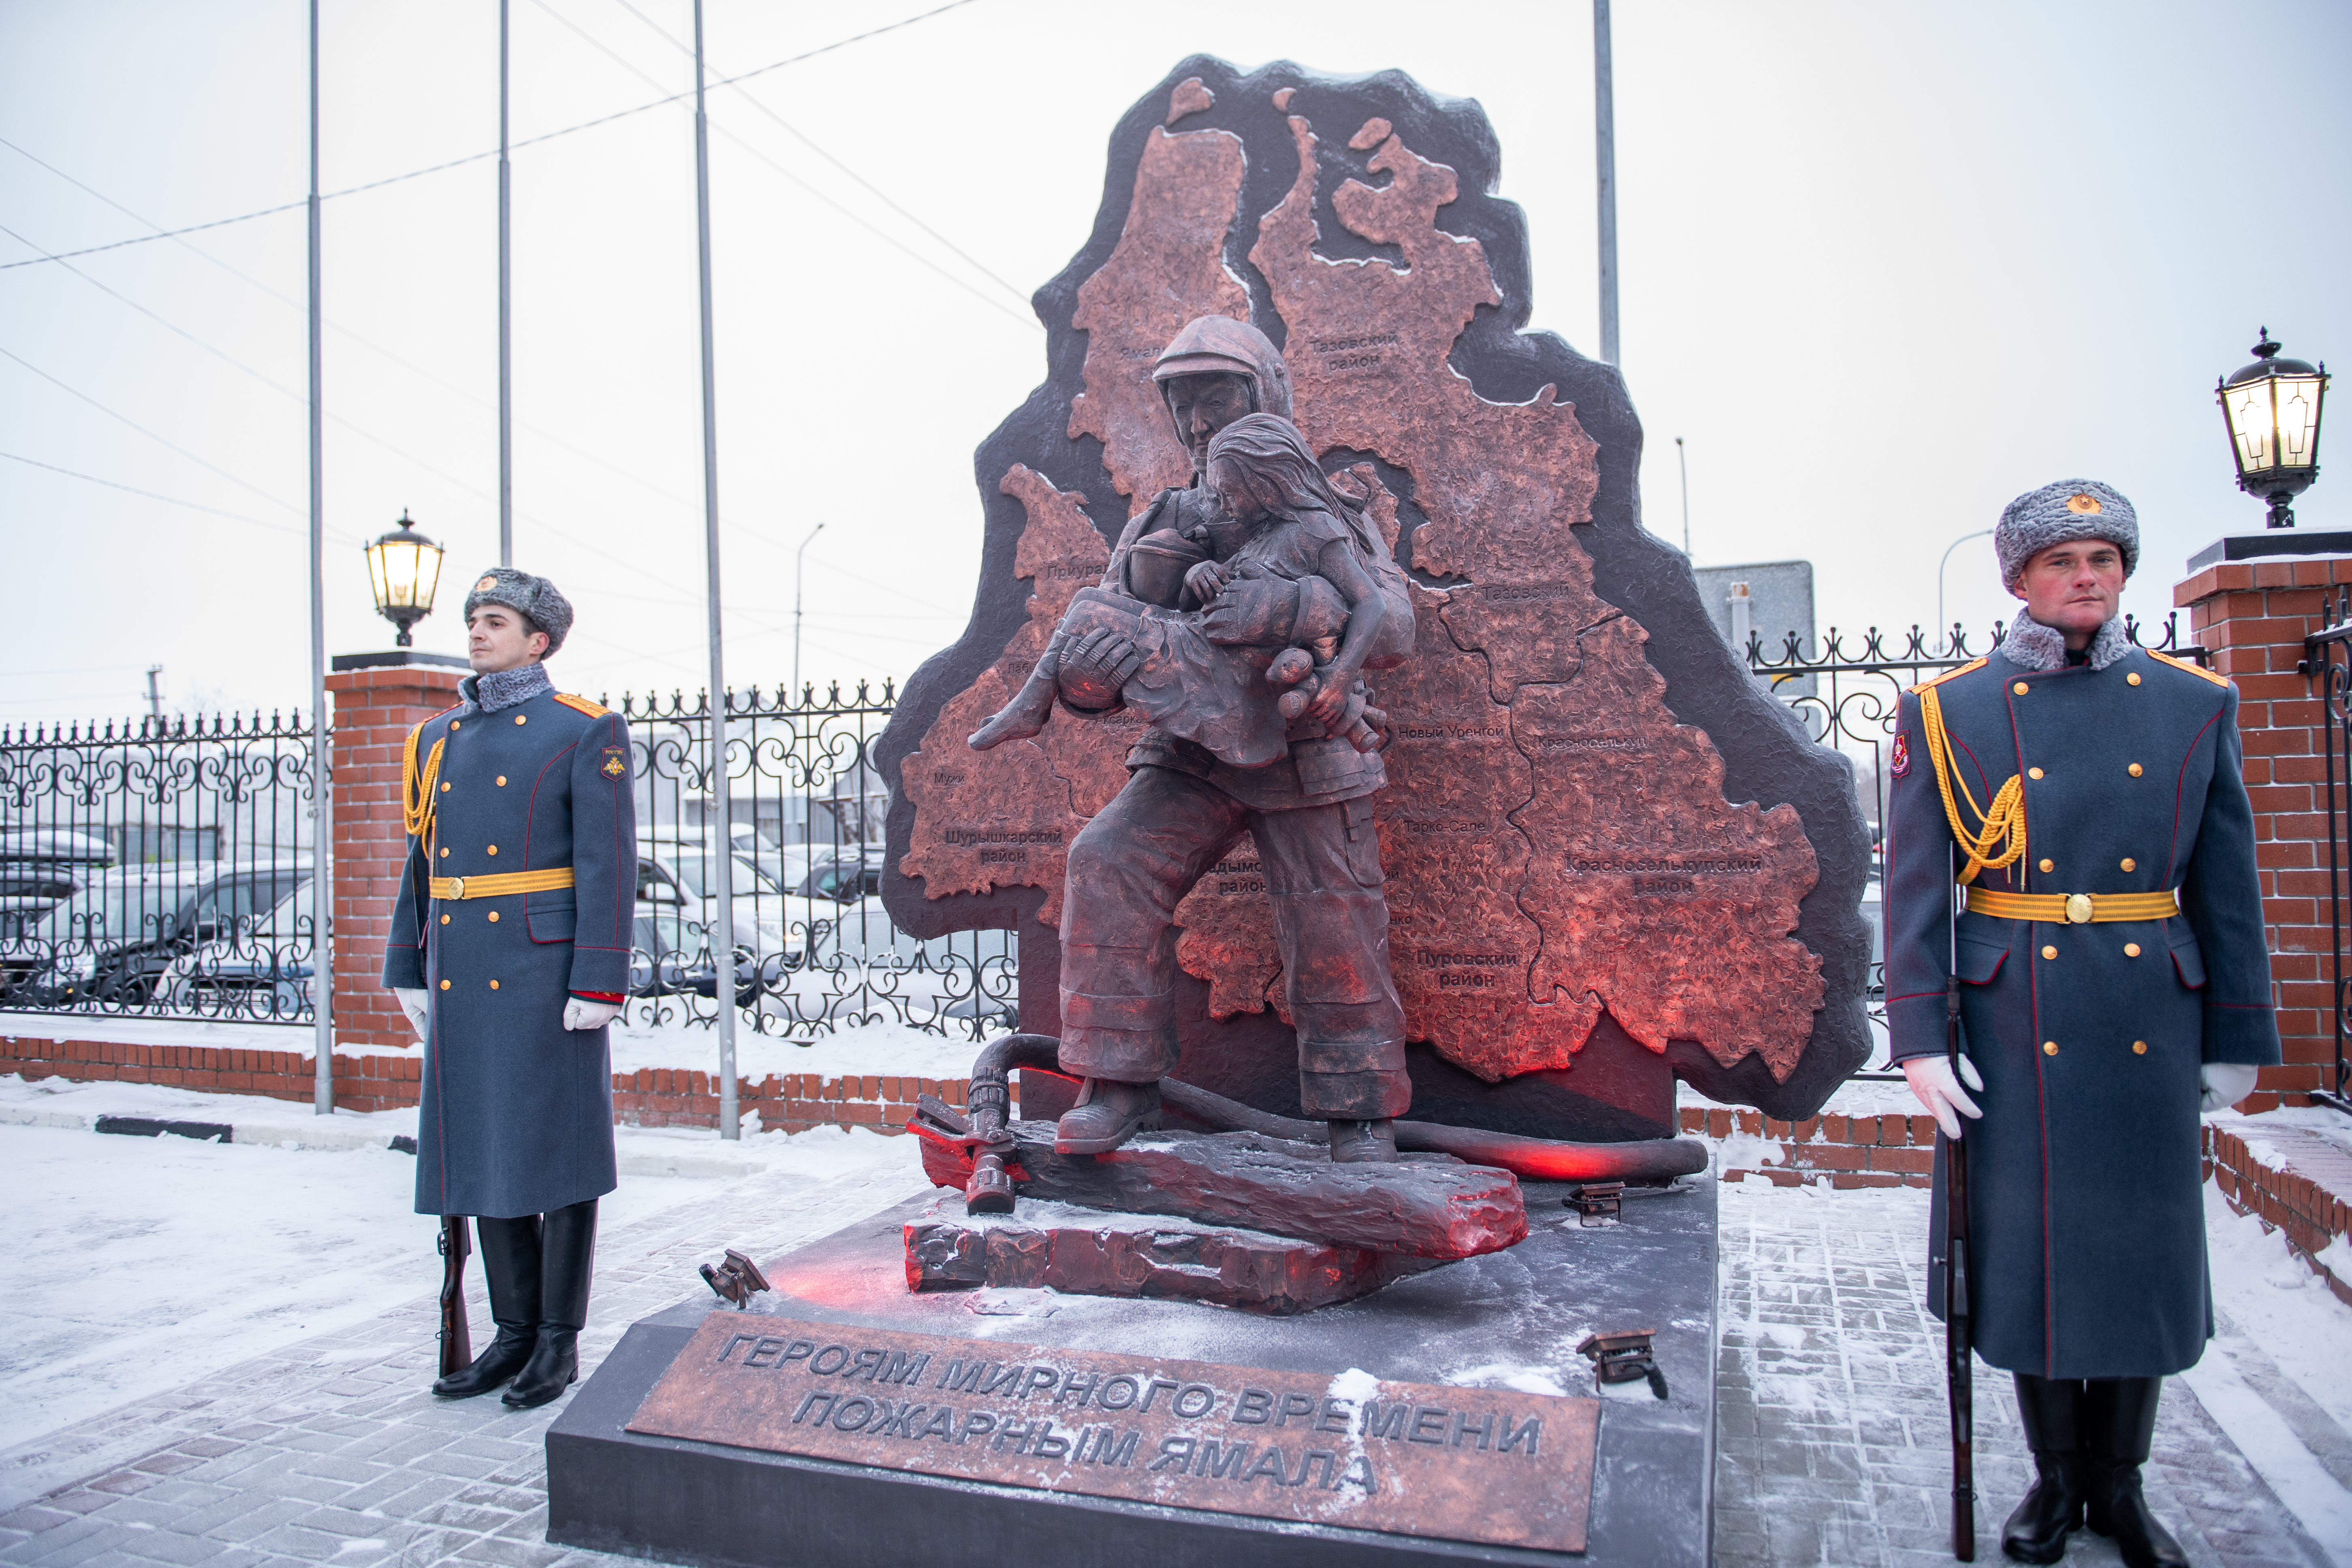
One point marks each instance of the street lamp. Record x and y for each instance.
(2272, 409)
(404, 568)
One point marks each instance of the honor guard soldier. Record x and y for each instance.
(509, 952)
(2086, 795)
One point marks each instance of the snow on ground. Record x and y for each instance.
(137, 1264)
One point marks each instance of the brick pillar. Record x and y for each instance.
(2254, 615)
(374, 710)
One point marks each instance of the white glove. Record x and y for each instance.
(2226, 1083)
(1947, 1101)
(579, 1013)
(412, 1002)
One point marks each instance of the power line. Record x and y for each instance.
(887, 239)
(159, 440)
(478, 157)
(152, 495)
(868, 185)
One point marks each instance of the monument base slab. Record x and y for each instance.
(1085, 1252)
(1506, 1322)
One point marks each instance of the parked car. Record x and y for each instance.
(40, 868)
(260, 968)
(843, 878)
(112, 942)
(673, 876)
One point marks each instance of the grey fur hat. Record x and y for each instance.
(2060, 514)
(536, 597)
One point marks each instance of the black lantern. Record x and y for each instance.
(405, 569)
(2271, 408)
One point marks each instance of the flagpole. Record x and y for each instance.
(719, 840)
(506, 317)
(323, 796)
(1605, 116)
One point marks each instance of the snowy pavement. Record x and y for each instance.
(219, 1354)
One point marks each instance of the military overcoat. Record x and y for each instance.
(2087, 1231)
(515, 1113)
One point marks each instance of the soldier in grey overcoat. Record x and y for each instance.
(2088, 796)
(509, 951)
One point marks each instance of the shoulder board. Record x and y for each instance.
(582, 704)
(1973, 664)
(2194, 668)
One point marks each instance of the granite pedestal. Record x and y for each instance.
(1506, 1319)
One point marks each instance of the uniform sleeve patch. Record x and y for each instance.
(615, 763)
(1902, 760)
(581, 703)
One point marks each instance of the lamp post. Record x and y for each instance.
(404, 571)
(2271, 411)
(797, 558)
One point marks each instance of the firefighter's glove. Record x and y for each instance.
(1947, 1101)
(2225, 1084)
(412, 1002)
(582, 1013)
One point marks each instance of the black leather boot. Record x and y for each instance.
(567, 1257)
(1107, 1115)
(509, 1250)
(2052, 1509)
(2118, 1428)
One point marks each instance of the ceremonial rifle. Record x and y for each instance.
(457, 1339)
(1958, 1329)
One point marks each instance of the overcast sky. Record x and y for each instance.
(1885, 266)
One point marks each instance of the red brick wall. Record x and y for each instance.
(374, 710)
(2254, 615)
(1886, 1151)
(650, 1097)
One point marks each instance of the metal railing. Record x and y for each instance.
(158, 867)
(2328, 659)
(813, 948)
(1848, 694)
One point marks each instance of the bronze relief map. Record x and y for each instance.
(1556, 841)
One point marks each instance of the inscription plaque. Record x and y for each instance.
(1489, 1466)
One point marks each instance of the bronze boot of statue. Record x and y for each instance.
(1363, 1142)
(1107, 1114)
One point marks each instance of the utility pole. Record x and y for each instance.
(796, 607)
(1683, 462)
(1604, 144)
(720, 840)
(155, 694)
(323, 796)
(506, 317)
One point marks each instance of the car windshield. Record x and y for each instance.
(115, 912)
(692, 869)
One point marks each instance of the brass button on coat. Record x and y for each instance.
(444, 854)
(2019, 688)
(2047, 865)
(502, 781)
(444, 789)
(494, 986)
(2130, 864)
(518, 719)
(2030, 772)
(444, 920)
(2139, 1047)
(2048, 952)
(2049, 1047)
(494, 848)
(494, 916)
(2131, 950)
(2134, 770)
(444, 986)
(2133, 679)
(453, 723)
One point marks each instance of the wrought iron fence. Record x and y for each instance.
(2328, 659)
(813, 948)
(158, 866)
(1848, 696)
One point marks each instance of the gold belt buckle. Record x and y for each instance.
(457, 891)
(2078, 908)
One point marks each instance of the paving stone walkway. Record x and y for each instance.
(1831, 1452)
(1833, 1440)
